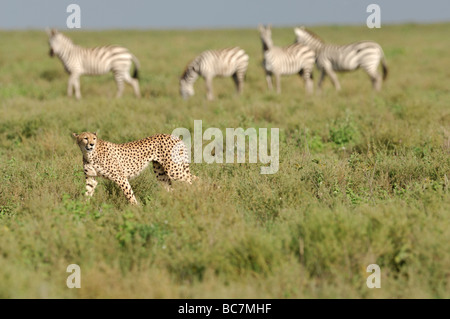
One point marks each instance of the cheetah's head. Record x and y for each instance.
(86, 141)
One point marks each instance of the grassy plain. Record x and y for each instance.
(363, 178)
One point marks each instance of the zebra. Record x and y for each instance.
(331, 57)
(293, 59)
(78, 61)
(211, 63)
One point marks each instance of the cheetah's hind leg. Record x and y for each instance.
(192, 178)
(182, 172)
(161, 176)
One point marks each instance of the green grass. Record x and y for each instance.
(363, 178)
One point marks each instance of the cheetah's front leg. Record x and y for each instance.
(91, 183)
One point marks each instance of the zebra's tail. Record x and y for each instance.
(385, 68)
(136, 67)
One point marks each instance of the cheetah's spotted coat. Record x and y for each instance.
(120, 162)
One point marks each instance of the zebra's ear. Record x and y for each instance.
(269, 26)
(51, 32)
(260, 27)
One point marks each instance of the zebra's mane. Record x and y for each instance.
(190, 67)
(186, 71)
(65, 38)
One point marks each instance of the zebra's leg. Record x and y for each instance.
(333, 78)
(321, 78)
(278, 82)
(307, 77)
(239, 82)
(134, 84)
(375, 76)
(209, 90)
(120, 85)
(376, 81)
(162, 176)
(269, 81)
(74, 84)
(77, 88)
(70, 86)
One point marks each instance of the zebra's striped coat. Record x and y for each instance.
(211, 63)
(330, 57)
(293, 59)
(79, 61)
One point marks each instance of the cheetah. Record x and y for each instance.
(121, 162)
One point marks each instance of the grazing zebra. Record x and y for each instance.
(93, 61)
(209, 64)
(330, 57)
(293, 59)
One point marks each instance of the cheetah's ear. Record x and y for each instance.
(95, 133)
(74, 135)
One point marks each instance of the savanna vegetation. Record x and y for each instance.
(363, 176)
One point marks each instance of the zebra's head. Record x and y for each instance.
(86, 141)
(187, 79)
(307, 37)
(57, 41)
(51, 34)
(301, 34)
(266, 36)
(186, 89)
